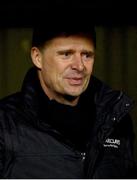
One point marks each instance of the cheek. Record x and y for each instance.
(48, 67)
(53, 72)
(54, 68)
(89, 67)
(60, 68)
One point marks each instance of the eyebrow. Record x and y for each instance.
(72, 51)
(65, 50)
(88, 52)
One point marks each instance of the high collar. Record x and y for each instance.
(98, 102)
(104, 98)
(70, 121)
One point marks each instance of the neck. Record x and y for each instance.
(67, 100)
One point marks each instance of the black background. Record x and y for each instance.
(25, 14)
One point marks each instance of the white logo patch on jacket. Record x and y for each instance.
(115, 143)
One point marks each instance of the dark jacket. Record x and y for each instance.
(44, 139)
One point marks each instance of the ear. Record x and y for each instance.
(36, 57)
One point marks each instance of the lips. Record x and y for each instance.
(75, 80)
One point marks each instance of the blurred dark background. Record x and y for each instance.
(116, 53)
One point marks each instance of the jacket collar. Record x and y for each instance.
(113, 102)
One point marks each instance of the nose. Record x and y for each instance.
(77, 63)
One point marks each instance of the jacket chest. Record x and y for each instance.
(36, 154)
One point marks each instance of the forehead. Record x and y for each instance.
(70, 42)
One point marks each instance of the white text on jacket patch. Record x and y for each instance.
(115, 143)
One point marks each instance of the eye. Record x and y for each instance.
(65, 54)
(88, 55)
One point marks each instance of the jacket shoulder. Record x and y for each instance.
(10, 102)
(8, 108)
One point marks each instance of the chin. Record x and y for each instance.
(74, 94)
(75, 91)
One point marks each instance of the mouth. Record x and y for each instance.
(74, 81)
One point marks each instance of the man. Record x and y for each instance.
(65, 123)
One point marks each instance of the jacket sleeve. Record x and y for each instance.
(116, 159)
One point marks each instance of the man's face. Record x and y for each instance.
(66, 65)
